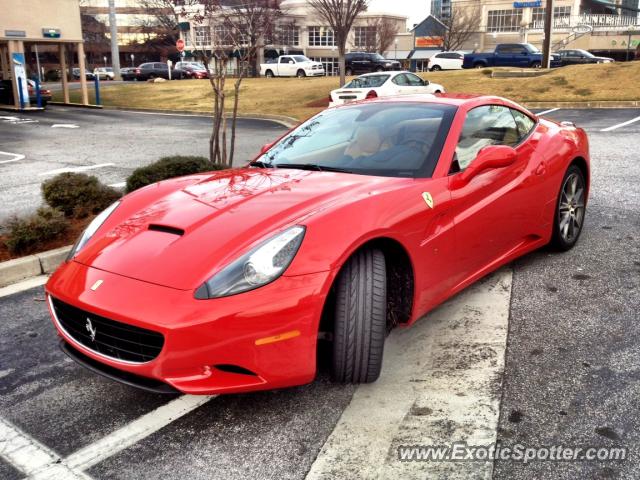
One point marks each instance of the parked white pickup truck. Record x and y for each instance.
(292, 66)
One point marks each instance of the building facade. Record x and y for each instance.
(143, 34)
(302, 31)
(585, 24)
(31, 29)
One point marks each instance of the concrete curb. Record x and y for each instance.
(288, 122)
(16, 270)
(76, 105)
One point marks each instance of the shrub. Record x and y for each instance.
(486, 71)
(78, 194)
(169, 167)
(28, 232)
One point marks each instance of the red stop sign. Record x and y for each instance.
(180, 44)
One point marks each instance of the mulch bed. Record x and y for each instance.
(76, 226)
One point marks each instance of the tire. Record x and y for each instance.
(436, 68)
(268, 74)
(348, 72)
(437, 91)
(360, 318)
(300, 74)
(570, 211)
(379, 69)
(536, 65)
(479, 65)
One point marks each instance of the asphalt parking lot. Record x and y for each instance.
(109, 144)
(543, 352)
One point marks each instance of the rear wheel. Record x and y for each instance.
(436, 68)
(348, 72)
(379, 69)
(268, 74)
(570, 210)
(479, 65)
(360, 318)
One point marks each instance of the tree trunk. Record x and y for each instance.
(341, 65)
(233, 120)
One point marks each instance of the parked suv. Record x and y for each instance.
(446, 61)
(361, 62)
(152, 70)
(579, 57)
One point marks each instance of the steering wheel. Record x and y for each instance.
(413, 142)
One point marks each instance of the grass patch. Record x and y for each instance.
(301, 98)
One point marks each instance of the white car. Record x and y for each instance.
(104, 73)
(446, 61)
(292, 66)
(383, 84)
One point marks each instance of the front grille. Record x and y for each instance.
(116, 340)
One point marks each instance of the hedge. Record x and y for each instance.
(78, 194)
(169, 167)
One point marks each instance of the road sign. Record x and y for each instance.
(180, 44)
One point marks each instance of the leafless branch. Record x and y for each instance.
(460, 26)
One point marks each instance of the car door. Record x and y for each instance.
(400, 84)
(490, 210)
(416, 84)
(285, 67)
(357, 62)
(503, 55)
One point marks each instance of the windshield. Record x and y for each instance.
(531, 48)
(370, 81)
(399, 140)
(586, 54)
(300, 58)
(377, 56)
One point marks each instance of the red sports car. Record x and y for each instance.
(361, 219)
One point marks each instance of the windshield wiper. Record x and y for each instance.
(312, 166)
(260, 164)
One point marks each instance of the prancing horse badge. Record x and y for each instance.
(426, 196)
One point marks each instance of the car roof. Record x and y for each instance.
(387, 72)
(454, 99)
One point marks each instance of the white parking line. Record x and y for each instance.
(548, 111)
(29, 456)
(440, 383)
(203, 114)
(64, 125)
(118, 185)
(27, 284)
(135, 431)
(623, 124)
(76, 169)
(40, 463)
(15, 157)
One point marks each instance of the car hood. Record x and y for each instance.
(183, 235)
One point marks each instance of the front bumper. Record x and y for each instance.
(262, 339)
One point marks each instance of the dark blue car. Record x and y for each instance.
(523, 55)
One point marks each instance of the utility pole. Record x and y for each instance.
(548, 29)
(115, 52)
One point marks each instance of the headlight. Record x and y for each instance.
(259, 266)
(95, 224)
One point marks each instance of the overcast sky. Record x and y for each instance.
(416, 10)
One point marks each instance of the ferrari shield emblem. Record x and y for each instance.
(96, 285)
(426, 196)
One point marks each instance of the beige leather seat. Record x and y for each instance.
(366, 141)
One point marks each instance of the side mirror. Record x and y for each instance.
(265, 148)
(493, 156)
(425, 82)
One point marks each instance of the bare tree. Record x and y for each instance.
(340, 15)
(237, 31)
(461, 24)
(382, 34)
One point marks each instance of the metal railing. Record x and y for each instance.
(596, 21)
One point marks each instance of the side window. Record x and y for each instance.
(400, 80)
(284, 59)
(524, 123)
(484, 126)
(414, 80)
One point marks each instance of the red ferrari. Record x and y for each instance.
(361, 219)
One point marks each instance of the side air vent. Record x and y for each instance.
(166, 229)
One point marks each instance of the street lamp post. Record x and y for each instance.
(395, 41)
(105, 61)
(132, 57)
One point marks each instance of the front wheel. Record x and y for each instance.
(570, 210)
(360, 318)
(536, 65)
(301, 74)
(436, 68)
(348, 72)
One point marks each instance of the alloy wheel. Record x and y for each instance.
(571, 208)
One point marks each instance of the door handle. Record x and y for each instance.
(541, 169)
